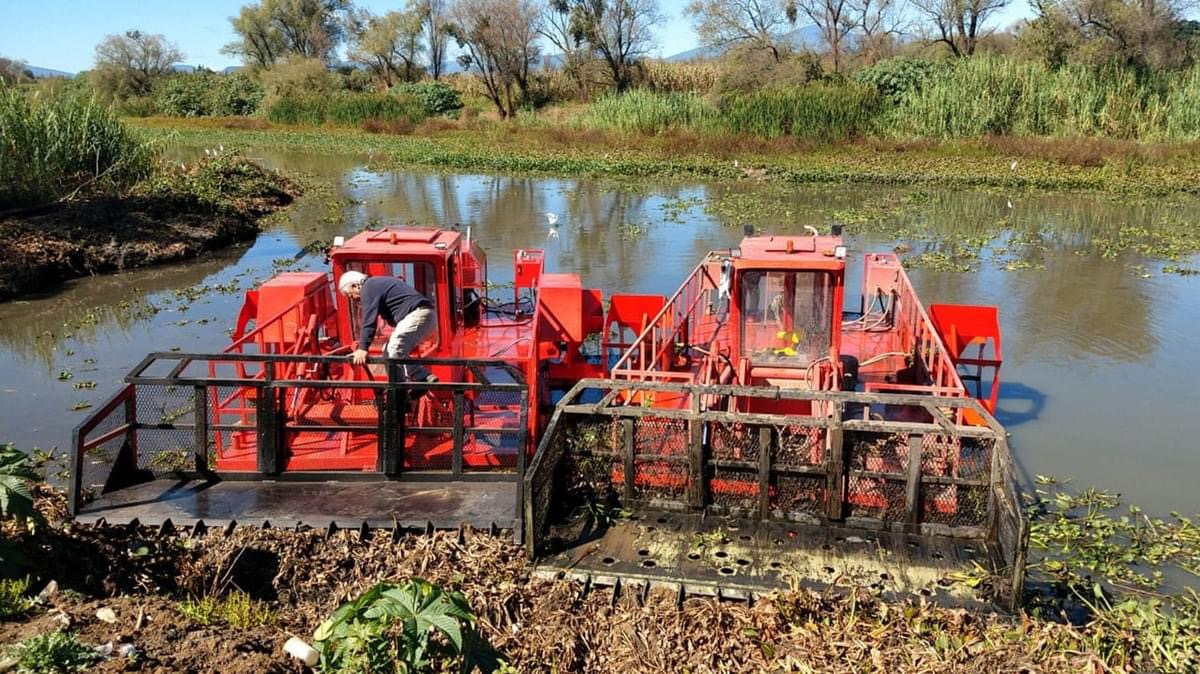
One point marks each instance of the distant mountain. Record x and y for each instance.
(41, 73)
(804, 37)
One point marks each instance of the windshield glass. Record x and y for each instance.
(786, 316)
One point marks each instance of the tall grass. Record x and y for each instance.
(57, 146)
(647, 111)
(346, 109)
(813, 111)
(999, 96)
(967, 98)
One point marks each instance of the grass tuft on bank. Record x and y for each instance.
(61, 146)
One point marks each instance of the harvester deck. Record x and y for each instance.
(378, 504)
(742, 558)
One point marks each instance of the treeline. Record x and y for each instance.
(822, 69)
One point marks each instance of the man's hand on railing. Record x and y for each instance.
(359, 357)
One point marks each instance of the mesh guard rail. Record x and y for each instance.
(178, 410)
(889, 462)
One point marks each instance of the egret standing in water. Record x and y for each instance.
(552, 219)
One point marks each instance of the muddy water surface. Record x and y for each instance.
(1100, 358)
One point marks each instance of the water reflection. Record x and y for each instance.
(1092, 386)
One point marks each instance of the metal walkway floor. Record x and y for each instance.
(740, 558)
(379, 504)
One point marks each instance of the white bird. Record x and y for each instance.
(1010, 204)
(207, 153)
(552, 219)
(221, 148)
(1013, 166)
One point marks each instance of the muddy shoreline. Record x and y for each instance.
(183, 213)
(144, 579)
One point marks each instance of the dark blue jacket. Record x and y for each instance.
(388, 297)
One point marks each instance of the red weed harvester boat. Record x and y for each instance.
(747, 431)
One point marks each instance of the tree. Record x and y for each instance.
(499, 39)
(261, 43)
(959, 24)
(1148, 33)
(621, 31)
(834, 19)
(877, 23)
(556, 27)
(128, 65)
(273, 29)
(757, 24)
(13, 71)
(389, 45)
(437, 15)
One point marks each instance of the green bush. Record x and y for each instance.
(896, 77)
(185, 95)
(54, 147)
(438, 98)
(236, 94)
(53, 653)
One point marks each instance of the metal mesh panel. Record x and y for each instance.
(165, 404)
(489, 450)
(878, 452)
(428, 450)
(734, 489)
(667, 437)
(733, 441)
(955, 505)
(166, 450)
(879, 498)
(975, 458)
(939, 454)
(798, 494)
(661, 481)
(798, 445)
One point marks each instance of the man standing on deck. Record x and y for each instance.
(408, 312)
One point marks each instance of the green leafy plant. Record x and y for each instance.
(52, 653)
(13, 598)
(438, 98)
(16, 474)
(405, 627)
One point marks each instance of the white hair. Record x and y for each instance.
(349, 279)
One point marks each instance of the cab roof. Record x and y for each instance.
(797, 252)
(400, 241)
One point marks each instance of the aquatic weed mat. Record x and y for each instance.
(300, 577)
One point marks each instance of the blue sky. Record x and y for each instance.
(62, 34)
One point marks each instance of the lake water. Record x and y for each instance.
(1100, 366)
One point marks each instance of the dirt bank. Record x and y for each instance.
(536, 625)
(176, 215)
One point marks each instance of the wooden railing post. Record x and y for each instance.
(835, 463)
(764, 472)
(628, 448)
(697, 491)
(912, 490)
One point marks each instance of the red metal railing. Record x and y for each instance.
(681, 321)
